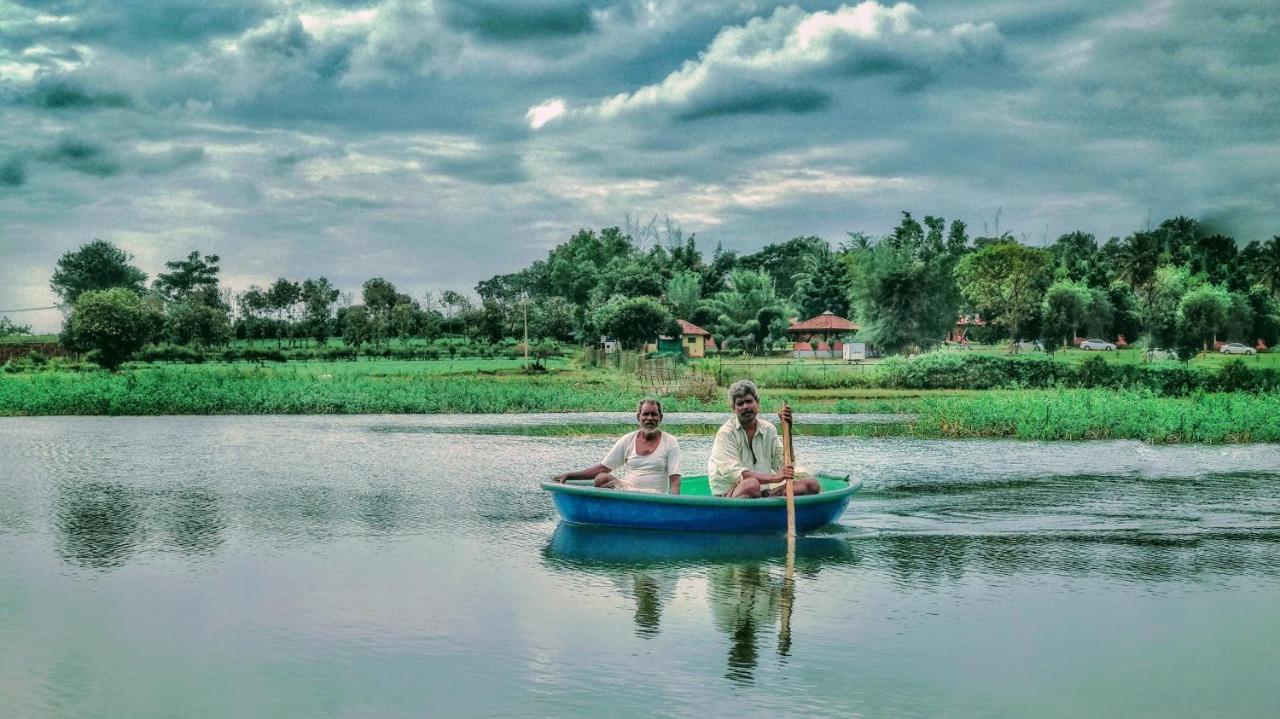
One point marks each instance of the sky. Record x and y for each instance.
(438, 143)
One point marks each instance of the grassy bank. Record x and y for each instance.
(497, 386)
(1085, 414)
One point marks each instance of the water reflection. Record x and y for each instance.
(750, 586)
(99, 523)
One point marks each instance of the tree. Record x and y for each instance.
(1268, 266)
(196, 323)
(1137, 258)
(8, 328)
(1202, 314)
(747, 310)
(1157, 309)
(633, 321)
(823, 284)
(357, 328)
(196, 276)
(1063, 310)
(318, 297)
(552, 318)
(1074, 254)
(782, 261)
(113, 323)
(1005, 281)
(379, 295)
(1266, 316)
(98, 265)
(902, 300)
(281, 298)
(684, 294)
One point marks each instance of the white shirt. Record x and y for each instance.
(644, 472)
(731, 453)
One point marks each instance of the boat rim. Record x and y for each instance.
(851, 486)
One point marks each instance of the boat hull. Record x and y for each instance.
(588, 505)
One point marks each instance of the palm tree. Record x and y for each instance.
(746, 311)
(1268, 266)
(1138, 257)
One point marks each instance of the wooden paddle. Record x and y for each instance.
(788, 581)
(789, 457)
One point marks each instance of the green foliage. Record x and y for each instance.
(98, 265)
(1005, 281)
(781, 262)
(822, 283)
(114, 323)
(684, 294)
(636, 320)
(196, 275)
(357, 327)
(9, 329)
(192, 322)
(746, 312)
(1063, 312)
(1202, 314)
(1100, 414)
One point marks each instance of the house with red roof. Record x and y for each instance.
(821, 336)
(693, 341)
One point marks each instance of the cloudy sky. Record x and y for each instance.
(439, 142)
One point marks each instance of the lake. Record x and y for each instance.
(409, 566)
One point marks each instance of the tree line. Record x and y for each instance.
(1177, 285)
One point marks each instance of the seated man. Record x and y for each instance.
(649, 458)
(746, 458)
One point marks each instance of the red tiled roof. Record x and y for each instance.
(825, 322)
(689, 328)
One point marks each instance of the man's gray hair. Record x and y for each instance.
(742, 388)
(649, 400)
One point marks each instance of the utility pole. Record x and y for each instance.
(525, 298)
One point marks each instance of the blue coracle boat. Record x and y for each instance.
(696, 509)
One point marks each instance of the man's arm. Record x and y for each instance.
(673, 484)
(588, 473)
(724, 469)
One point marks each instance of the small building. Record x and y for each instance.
(821, 336)
(693, 339)
(692, 342)
(960, 333)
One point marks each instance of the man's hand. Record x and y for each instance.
(560, 478)
(785, 415)
(788, 472)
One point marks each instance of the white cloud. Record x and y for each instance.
(758, 66)
(539, 115)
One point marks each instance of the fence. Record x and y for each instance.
(658, 376)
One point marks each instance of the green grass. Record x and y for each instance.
(1084, 415)
(25, 339)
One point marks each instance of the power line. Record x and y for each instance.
(33, 309)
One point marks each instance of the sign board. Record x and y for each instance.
(855, 351)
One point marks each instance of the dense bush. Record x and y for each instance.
(963, 371)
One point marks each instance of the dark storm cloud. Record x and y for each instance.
(151, 22)
(13, 173)
(81, 156)
(494, 169)
(747, 101)
(66, 96)
(503, 20)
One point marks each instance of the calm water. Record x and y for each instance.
(407, 567)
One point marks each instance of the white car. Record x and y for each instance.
(1235, 348)
(1097, 345)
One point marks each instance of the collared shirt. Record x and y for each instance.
(731, 453)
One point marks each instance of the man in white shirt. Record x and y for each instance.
(646, 460)
(746, 458)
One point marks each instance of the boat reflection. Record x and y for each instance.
(749, 580)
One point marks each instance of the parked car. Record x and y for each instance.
(1235, 348)
(1029, 345)
(1155, 354)
(1097, 345)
